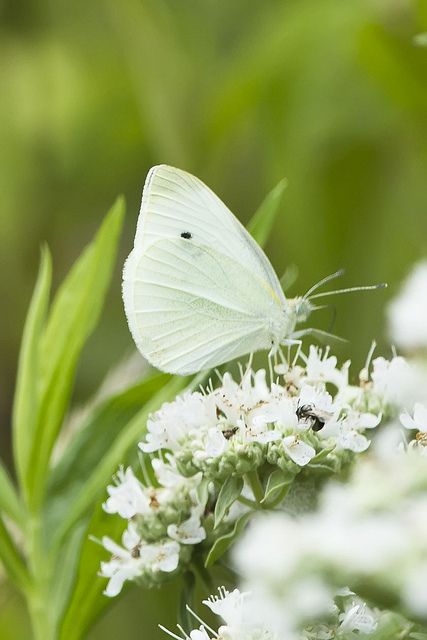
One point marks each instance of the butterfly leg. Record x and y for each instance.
(322, 336)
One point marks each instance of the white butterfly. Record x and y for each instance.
(198, 291)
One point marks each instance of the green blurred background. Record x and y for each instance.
(329, 93)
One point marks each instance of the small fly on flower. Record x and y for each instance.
(136, 551)
(316, 417)
(229, 433)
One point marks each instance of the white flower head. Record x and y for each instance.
(407, 313)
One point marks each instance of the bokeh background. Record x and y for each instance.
(330, 94)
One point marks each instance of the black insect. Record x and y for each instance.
(186, 234)
(317, 418)
(229, 433)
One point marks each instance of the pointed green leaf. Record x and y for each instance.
(65, 572)
(289, 277)
(321, 455)
(229, 492)
(12, 561)
(185, 618)
(10, 503)
(261, 223)
(96, 435)
(222, 544)
(25, 403)
(75, 312)
(87, 599)
(275, 483)
(116, 454)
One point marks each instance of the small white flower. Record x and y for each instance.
(161, 557)
(188, 532)
(166, 472)
(346, 431)
(357, 616)
(298, 451)
(216, 443)
(279, 409)
(320, 400)
(127, 498)
(228, 605)
(419, 421)
(124, 565)
(321, 367)
(199, 634)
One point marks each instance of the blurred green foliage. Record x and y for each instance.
(330, 94)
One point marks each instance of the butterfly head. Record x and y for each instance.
(298, 310)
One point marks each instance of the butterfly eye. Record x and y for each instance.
(186, 234)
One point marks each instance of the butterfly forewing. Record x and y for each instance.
(175, 202)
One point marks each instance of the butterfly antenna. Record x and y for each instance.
(323, 281)
(371, 287)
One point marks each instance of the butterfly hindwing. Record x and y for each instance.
(191, 307)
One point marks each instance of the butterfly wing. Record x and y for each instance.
(176, 202)
(191, 307)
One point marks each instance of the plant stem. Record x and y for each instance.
(38, 597)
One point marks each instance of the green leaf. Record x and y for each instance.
(321, 455)
(418, 636)
(74, 314)
(277, 480)
(65, 572)
(115, 455)
(289, 277)
(10, 502)
(185, 619)
(96, 435)
(229, 492)
(25, 403)
(12, 561)
(261, 223)
(223, 543)
(87, 598)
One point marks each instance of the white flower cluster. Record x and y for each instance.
(237, 427)
(244, 620)
(162, 522)
(202, 439)
(370, 531)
